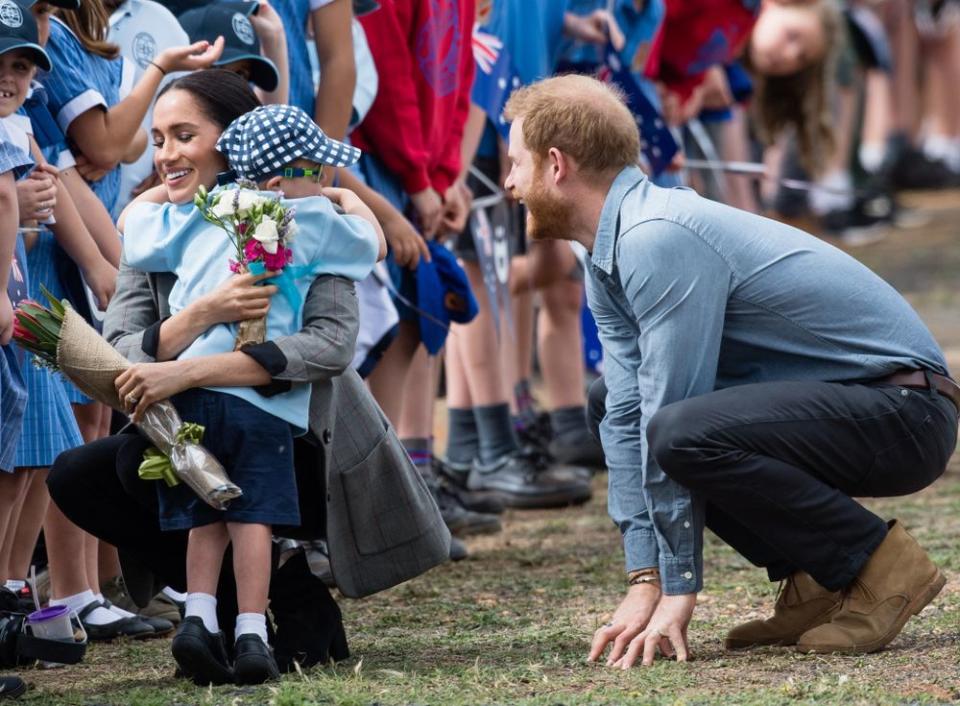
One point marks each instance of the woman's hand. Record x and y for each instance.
(37, 194)
(193, 57)
(237, 299)
(145, 383)
(101, 277)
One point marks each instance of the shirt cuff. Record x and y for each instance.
(640, 549)
(78, 106)
(269, 356)
(680, 575)
(150, 342)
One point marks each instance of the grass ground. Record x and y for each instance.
(511, 624)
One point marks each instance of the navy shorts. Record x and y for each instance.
(255, 448)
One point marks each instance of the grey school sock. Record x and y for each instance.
(463, 436)
(568, 419)
(497, 437)
(418, 449)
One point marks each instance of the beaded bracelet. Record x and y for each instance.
(635, 578)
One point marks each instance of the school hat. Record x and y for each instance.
(364, 7)
(18, 30)
(65, 4)
(232, 21)
(443, 295)
(259, 144)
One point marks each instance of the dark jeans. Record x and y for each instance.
(778, 463)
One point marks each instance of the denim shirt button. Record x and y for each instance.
(686, 524)
(688, 575)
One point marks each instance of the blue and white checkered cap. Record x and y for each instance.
(262, 142)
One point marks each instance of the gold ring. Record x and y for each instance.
(132, 400)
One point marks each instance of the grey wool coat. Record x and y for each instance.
(383, 526)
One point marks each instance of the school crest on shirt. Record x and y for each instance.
(243, 29)
(10, 14)
(144, 49)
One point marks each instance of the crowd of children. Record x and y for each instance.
(855, 100)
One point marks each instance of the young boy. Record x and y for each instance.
(249, 432)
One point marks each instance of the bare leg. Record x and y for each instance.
(251, 565)
(479, 349)
(416, 410)
(560, 344)
(88, 418)
(388, 380)
(902, 30)
(66, 551)
(458, 391)
(12, 489)
(36, 500)
(205, 550)
(516, 346)
(108, 562)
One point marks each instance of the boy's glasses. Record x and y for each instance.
(296, 173)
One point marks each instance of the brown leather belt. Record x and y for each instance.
(916, 378)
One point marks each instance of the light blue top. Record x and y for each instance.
(12, 157)
(176, 238)
(692, 296)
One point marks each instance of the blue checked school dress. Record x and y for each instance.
(13, 393)
(80, 81)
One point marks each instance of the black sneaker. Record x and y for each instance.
(537, 441)
(161, 626)
(200, 654)
(458, 550)
(521, 481)
(459, 520)
(454, 477)
(912, 169)
(11, 687)
(254, 663)
(577, 447)
(863, 223)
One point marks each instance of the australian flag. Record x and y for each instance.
(656, 141)
(496, 77)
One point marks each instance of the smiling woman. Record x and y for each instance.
(188, 119)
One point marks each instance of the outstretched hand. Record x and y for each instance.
(666, 631)
(629, 620)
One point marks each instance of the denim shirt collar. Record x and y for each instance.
(606, 240)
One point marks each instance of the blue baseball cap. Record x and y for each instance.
(443, 296)
(231, 20)
(65, 4)
(18, 30)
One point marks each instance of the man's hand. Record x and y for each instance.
(456, 209)
(429, 207)
(629, 620)
(667, 630)
(590, 28)
(6, 318)
(140, 385)
(37, 195)
(405, 243)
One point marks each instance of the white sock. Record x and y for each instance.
(175, 595)
(871, 156)
(203, 606)
(252, 624)
(116, 610)
(835, 195)
(79, 601)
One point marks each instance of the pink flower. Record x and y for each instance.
(234, 267)
(253, 251)
(278, 260)
(241, 228)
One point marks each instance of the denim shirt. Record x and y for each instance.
(692, 296)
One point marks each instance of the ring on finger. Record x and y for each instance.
(131, 400)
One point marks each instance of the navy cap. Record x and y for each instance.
(259, 144)
(65, 4)
(18, 30)
(232, 21)
(443, 295)
(364, 7)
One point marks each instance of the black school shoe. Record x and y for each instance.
(200, 654)
(254, 663)
(161, 626)
(11, 687)
(124, 627)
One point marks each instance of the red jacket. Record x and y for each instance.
(695, 35)
(423, 54)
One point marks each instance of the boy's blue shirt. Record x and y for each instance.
(176, 238)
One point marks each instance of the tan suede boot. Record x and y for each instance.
(801, 604)
(898, 581)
